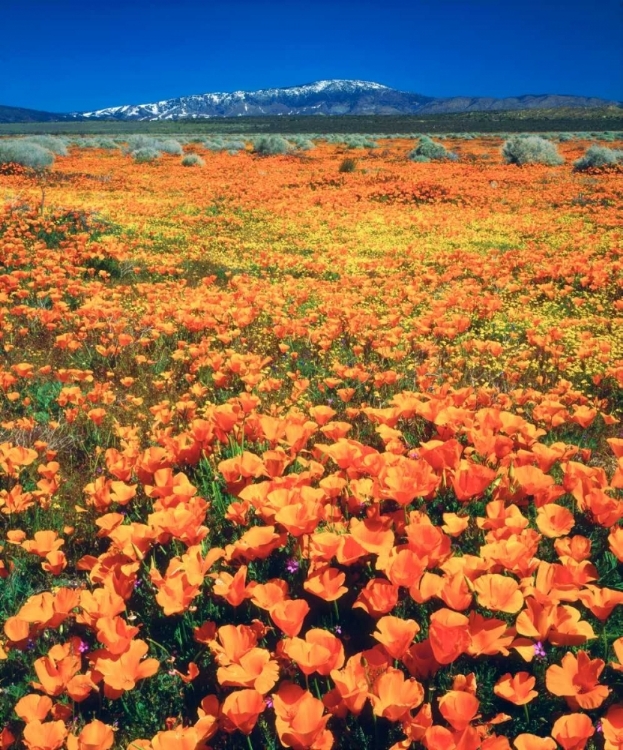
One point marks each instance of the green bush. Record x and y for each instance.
(171, 147)
(348, 165)
(431, 151)
(192, 160)
(271, 145)
(51, 143)
(596, 157)
(144, 155)
(26, 153)
(530, 149)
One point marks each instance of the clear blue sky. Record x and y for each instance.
(64, 55)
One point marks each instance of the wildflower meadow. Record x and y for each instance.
(311, 444)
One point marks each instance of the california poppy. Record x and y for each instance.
(572, 731)
(517, 688)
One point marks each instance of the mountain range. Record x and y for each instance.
(331, 97)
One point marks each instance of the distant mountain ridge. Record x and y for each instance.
(327, 97)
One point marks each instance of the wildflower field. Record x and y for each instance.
(297, 454)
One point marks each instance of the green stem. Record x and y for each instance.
(604, 637)
(526, 712)
(337, 613)
(249, 742)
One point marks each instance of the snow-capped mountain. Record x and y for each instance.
(334, 97)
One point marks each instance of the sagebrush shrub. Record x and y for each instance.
(26, 153)
(192, 160)
(51, 143)
(144, 155)
(530, 149)
(596, 157)
(271, 145)
(171, 147)
(429, 150)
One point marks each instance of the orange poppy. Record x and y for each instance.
(458, 708)
(449, 635)
(392, 696)
(517, 688)
(288, 615)
(253, 669)
(554, 520)
(612, 726)
(241, 710)
(351, 683)
(396, 634)
(299, 718)
(94, 736)
(572, 731)
(121, 672)
(48, 735)
(499, 593)
(326, 583)
(33, 707)
(533, 742)
(577, 680)
(320, 652)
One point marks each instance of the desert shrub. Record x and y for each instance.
(564, 137)
(192, 160)
(596, 157)
(144, 155)
(348, 165)
(138, 142)
(419, 158)
(171, 147)
(530, 149)
(431, 151)
(302, 143)
(236, 145)
(106, 143)
(51, 143)
(271, 145)
(26, 153)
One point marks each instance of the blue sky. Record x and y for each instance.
(64, 55)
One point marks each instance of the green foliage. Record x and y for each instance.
(531, 149)
(430, 150)
(25, 153)
(192, 160)
(348, 165)
(271, 145)
(55, 145)
(171, 147)
(145, 155)
(596, 157)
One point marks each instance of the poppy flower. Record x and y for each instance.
(470, 480)
(449, 635)
(288, 615)
(254, 669)
(499, 593)
(392, 696)
(554, 520)
(396, 634)
(241, 710)
(378, 597)
(326, 583)
(121, 672)
(299, 718)
(612, 726)
(47, 735)
(577, 680)
(533, 742)
(33, 707)
(517, 688)
(573, 731)
(94, 736)
(458, 708)
(352, 684)
(320, 652)
(180, 738)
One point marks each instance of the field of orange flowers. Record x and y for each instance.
(291, 457)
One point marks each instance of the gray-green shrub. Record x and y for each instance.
(429, 150)
(530, 149)
(271, 145)
(170, 146)
(596, 157)
(192, 160)
(145, 155)
(26, 153)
